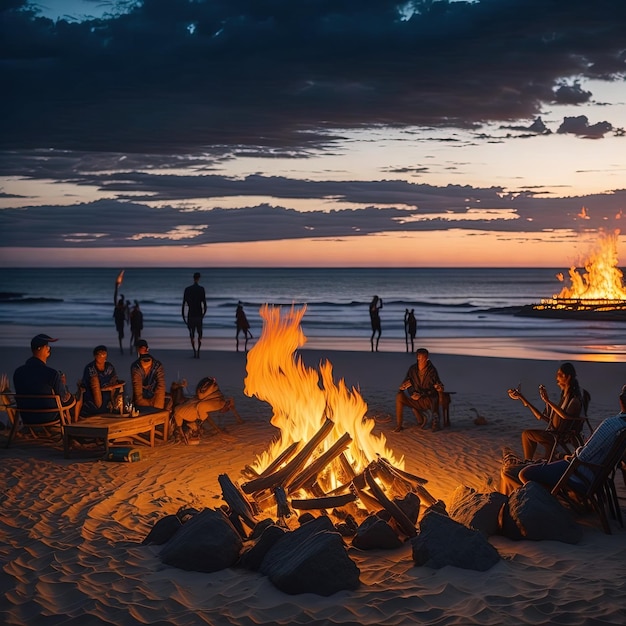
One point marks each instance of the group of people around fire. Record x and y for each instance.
(421, 391)
(101, 390)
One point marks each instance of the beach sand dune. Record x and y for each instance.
(72, 528)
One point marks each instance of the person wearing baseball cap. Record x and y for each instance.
(36, 378)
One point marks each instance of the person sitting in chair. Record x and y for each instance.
(569, 406)
(592, 452)
(36, 378)
(100, 384)
(420, 391)
(148, 378)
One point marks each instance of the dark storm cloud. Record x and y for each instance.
(114, 223)
(179, 76)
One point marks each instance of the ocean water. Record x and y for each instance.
(473, 306)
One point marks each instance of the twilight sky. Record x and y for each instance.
(310, 132)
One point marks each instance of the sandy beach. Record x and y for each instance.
(72, 528)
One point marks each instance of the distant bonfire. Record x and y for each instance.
(598, 293)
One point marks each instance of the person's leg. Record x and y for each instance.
(510, 478)
(237, 339)
(531, 437)
(400, 402)
(377, 340)
(199, 338)
(192, 337)
(547, 474)
(529, 443)
(434, 407)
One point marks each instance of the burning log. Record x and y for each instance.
(236, 501)
(415, 480)
(370, 503)
(282, 506)
(417, 483)
(249, 472)
(346, 467)
(391, 507)
(284, 475)
(311, 472)
(316, 490)
(329, 502)
(284, 457)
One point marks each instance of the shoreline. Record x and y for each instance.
(169, 339)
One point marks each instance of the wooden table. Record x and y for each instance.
(149, 425)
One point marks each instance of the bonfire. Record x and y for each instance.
(325, 455)
(596, 292)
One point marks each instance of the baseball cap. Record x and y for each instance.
(141, 343)
(40, 340)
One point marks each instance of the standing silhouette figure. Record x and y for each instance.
(375, 305)
(243, 326)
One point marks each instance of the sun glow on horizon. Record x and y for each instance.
(452, 248)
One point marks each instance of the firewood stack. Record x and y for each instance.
(298, 480)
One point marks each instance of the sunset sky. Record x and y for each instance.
(310, 132)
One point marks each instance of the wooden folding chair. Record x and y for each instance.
(596, 485)
(35, 411)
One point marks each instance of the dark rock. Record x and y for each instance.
(162, 531)
(477, 510)
(185, 513)
(206, 543)
(375, 533)
(260, 528)
(306, 517)
(311, 559)
(532, 512)
(348, 527)
(441, 541)
(252, 557)
(410, 506)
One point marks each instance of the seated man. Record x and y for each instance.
(420, 391)
(36, 378)
(148, 378)
(208, 398)
(101, 385)
(569, 406)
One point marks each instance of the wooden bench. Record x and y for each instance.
(149, 425)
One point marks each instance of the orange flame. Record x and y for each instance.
(303, 398)
(602, 279)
